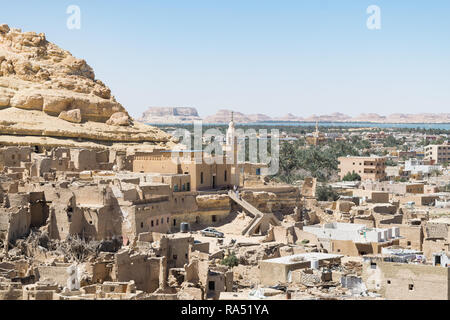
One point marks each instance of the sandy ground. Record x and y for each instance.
(235, 226)
(232, 231)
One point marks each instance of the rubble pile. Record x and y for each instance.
(251, 255)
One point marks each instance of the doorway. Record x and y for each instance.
(437, 261)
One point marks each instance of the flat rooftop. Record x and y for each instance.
(303, 257)
(340, 226)
(345, 226)
(445, 220)
(399, 251)
(362, 157)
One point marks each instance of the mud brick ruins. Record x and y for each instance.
(93, 206)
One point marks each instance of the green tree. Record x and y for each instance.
(288, 162)
(326, 193)
(352, 176)
(390, 163)
(390, 141)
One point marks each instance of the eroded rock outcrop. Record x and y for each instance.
(71, 115)
(119, 119)
(47, 92)
(38, 75)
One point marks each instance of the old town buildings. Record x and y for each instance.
(80, 223)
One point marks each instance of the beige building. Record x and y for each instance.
(438, 153)
(395, 188)
(14, 156)
(406, 281)
(206, 171)
(369, 168)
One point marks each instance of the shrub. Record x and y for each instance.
(326, 193)
(352, 176)
(230, 261)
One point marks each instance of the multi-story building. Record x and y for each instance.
(206, 171)
(438, 153)
(369, 168)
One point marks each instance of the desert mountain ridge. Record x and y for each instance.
(170, 115)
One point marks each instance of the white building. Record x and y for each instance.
(358, 233)
(279, 270)
(415, 166)
(441, 259)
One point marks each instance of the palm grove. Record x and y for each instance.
(298, 161)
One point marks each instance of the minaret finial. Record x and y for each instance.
(232, 115)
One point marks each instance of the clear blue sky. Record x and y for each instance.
(256, 56)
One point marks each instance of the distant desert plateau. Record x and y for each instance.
(174, 115)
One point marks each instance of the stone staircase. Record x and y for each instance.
(257, 215)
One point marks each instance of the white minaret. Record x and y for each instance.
(231, 148)
(231, 131)
(316, 134)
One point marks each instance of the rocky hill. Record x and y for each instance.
(334, 117)
(169, 115)
(224, 116)
(259, 117)
(370, 117)
(46, 92)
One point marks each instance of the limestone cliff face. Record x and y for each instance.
(169, 115)
(45, 91)
(38, 75)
